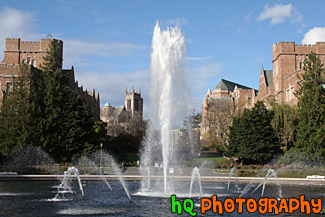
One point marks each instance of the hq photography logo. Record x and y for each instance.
(262, 205)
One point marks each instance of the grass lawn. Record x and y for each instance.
(212, 162)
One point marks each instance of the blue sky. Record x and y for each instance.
(109, 42)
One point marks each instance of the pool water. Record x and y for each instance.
(19, 199)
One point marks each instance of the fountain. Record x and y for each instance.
(196, 175)
(270, 173)
(232, 171)
(168, 86)
(66, 182)
(88, 166)
(105, 159)
(119, 175)
(169, 102)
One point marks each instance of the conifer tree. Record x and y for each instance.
(252, 138)
(311, 108)
(63, 125)
(14, 114)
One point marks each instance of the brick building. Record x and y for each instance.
(237, 95)
(31, 53)
(281, 82)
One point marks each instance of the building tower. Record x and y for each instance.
(134, 103)
(32, 53)
(28, 52)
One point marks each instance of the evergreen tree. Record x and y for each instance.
(252, 138)
(284, 122)
(63, 124)
(311, 108)
(14, 115)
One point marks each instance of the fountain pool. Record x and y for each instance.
(32, 199)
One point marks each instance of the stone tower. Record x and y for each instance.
(282, 82)
(134, 103)
(31, 53)
(28, 52)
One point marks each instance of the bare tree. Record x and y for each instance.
(219, 116)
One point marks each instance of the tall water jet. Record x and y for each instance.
(270, 173)
(196, 175)
(66, 182)
(232, 171)
(87, 166)
(119, 175)
(168, 99)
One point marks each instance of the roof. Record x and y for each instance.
(107, 104)
(228, 85)
(268, 74)
(118, 111)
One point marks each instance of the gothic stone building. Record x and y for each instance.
(31, 53)
(281, 82)
(237, 95)
(124, 119)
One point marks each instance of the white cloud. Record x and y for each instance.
(241, 30)
(208, 70)
(227, 24)
(111, 85)
(75, 51)
(91, 61)
(302, 29)
(248, 17)
(200, 79)
(17, 24)
(314, 35)
(280, 13)
(198, 58)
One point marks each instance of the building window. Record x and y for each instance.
(34, 63)
(136, 105)
(128, 105)
(301, 65)
(9, 87)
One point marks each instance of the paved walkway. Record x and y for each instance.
(185, 171)
(133, 174)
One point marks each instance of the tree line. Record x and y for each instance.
(259, 135)
(42, 110)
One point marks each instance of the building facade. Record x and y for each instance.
(19, 52)
(225, 94)
(124, 119)
(282, 82)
